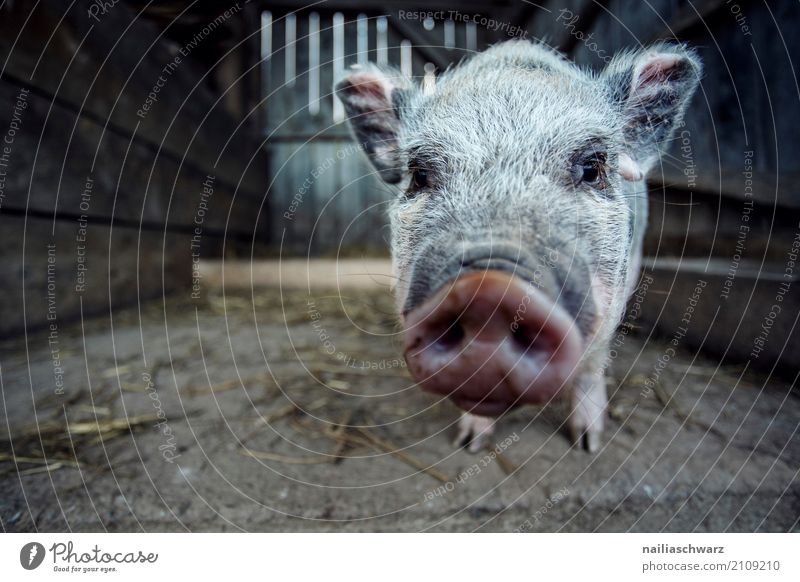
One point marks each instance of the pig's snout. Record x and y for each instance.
(490, 342)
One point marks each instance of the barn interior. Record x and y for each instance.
(197, 331)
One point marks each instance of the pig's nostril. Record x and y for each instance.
(521, 337)
(531, 339)
(449, 338)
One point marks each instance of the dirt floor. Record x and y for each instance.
(284, 413)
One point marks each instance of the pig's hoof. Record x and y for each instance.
(585, 434)
(474, 432)
(588, 403)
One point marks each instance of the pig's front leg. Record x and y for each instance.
(475, 430)
(588, 402)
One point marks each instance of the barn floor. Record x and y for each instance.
(284, 414)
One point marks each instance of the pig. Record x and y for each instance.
(518, 219)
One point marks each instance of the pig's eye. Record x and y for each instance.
(420, 178)
(590, 171)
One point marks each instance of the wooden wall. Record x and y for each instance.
(114, 189)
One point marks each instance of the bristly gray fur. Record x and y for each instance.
(499, 137)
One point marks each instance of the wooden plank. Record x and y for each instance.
(121, 263)
(706, 225)
(745, 96)
(425, 46)
(393, 6)
(686, 301)
(71, 65)
(300, 274)
(61, 165)
(700, 13)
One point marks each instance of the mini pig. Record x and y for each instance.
(518, 222)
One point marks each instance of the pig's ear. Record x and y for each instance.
(652, 88)
(373, 99)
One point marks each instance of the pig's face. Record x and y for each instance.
(528, 184)
(515, 227)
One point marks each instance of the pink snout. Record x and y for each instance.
(490, 342)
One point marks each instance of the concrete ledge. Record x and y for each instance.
(744, 313)
(299, 274)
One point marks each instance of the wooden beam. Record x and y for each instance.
(140, 139)
(690, 16)
(424, 46)
(727, 319)
(111, 95)
(388, 6)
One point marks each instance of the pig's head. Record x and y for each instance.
(514, 228)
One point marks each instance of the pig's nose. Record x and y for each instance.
(489, 341)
